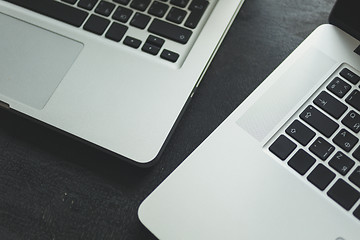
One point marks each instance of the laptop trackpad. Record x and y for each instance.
(33, 61)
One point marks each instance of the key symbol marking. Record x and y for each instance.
(322, 102)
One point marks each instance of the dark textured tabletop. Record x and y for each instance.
(54, 187)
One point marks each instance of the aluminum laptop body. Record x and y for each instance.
(113, 92)
(254, 177)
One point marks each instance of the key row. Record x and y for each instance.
(152, 46)
(303, 161)
(319, 121)
(98, 24)
(179, 3)
(157, 9)
(116, 32)
(176, 15)
(321, 176)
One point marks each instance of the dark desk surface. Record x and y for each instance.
(53, 187)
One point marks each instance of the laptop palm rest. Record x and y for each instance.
(292, 86)
(33, 61)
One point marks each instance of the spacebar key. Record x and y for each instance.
(170, 31)
(53, 9)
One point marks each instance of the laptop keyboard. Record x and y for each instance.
(165, 20)
(322, 142)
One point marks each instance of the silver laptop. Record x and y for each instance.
(286, 163)
(114, 73)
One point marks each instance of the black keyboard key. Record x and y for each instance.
(140, 20)
(158, 9)
(321, 148)
(123, 2)
(156, 41)
(169, 55)
(350, 76)
(356, 153)
(345, 140)
(352, 121)
(122, 14)
(87, 4)
(170, 31)
(96, 24)
(132, 42)
(319, 121)
(341, 163)
(344, 194)
(339, 87)
(140, 5)
(198, 5)
(197, 8)
(354, 99)
(151, 49)
(176, 15)
(357, 212)
(355, 177)
(56, 10)
(321, 177)
(180, 3)
(300, 132)
(70, 1)
(282, 147)
(116, 32)
(105, 8)
(330, 104)
(301, 162)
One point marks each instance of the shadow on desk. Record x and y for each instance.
(56, 187)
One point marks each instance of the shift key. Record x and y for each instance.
(170, 31)
(319, 121)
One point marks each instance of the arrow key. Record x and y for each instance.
(169, 55)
